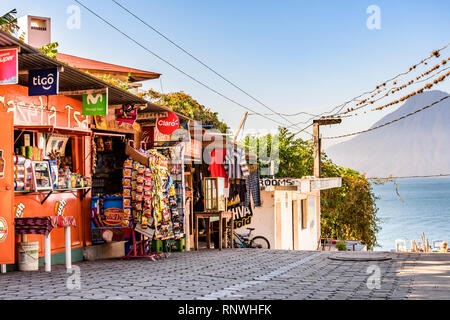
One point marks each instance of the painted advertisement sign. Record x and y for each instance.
(3, 229)
(57, 111)
(242, 215)
(43, 82)
(9, 66)
(169, 124)
(95, 104)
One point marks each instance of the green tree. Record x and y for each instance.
(183, 103)
(8, 22)
(50, 49)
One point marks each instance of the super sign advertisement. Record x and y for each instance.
(9, 68)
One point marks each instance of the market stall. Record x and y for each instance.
(50, 177)
(48, 130)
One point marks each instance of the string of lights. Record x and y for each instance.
(390, 122)
(434, 54)
(367, 102)
(382, 97)
(410, 177)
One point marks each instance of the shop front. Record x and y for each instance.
(46, 147)
(62, 168)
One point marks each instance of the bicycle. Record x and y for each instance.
(244, 241)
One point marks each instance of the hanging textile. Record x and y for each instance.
(253, 187)
(235, 163)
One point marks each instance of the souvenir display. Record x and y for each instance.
(150, 197)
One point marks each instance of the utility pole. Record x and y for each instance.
(318, 142)
(240, 126)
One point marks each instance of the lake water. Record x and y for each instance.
(426, 208)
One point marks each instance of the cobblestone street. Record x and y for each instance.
(241, 274)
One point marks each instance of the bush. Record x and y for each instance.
(341, 246)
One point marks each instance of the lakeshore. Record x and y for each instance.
(426, 208)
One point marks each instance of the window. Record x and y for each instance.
(304, 214)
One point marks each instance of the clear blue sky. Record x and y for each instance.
(293, 55)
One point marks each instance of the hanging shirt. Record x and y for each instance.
(216, 167)
(235, 163)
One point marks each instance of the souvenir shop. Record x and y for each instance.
(58, 164)
(137, 189)
(45, 178)
(227, 180)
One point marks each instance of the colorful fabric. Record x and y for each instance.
(42, 225)
(235, 164)
(253, 188)
(216, 167)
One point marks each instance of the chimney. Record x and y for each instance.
(37, 30)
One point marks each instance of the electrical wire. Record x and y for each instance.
(343, 105)
(390, 122)
(411, 177)
(204, 64)
(364, 105)
(173, 66)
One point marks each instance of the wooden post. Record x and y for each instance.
(317, 142)
(316, 150)
(240, 126)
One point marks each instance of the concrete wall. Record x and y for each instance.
(263, 219)
(309, 237)
(281, 235)
(37, 30)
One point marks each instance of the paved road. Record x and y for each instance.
(240, 274)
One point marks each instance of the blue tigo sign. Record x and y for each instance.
(43, 82)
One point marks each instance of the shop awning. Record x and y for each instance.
(71, 79)
(56, 130)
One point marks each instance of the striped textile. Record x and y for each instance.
(42, 225)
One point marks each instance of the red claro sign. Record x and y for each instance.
(168, 124)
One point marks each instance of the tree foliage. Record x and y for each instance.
(183, 103)
(50, 49)
(8, 22)
(347, 213)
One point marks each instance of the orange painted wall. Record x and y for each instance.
(63, 112)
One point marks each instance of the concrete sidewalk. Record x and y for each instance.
(240, 274)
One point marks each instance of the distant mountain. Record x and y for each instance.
(417, 145)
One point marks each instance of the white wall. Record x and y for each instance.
(309, 237)
(264, 220)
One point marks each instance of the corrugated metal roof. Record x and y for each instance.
(94, 65)
(71, 78)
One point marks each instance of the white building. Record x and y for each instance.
(290, 213)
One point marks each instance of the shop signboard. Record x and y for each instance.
(151, 115)
(126, 114)
(95, 104)
(43, 82)
(58, 111)
(326, 183)
(286, 182)
(9, 66)
(169, 124)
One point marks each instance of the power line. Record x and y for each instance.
(376, 100)
(411, 177)
(203, 63)
(173, 66)
(435, 53)
(390, 122)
